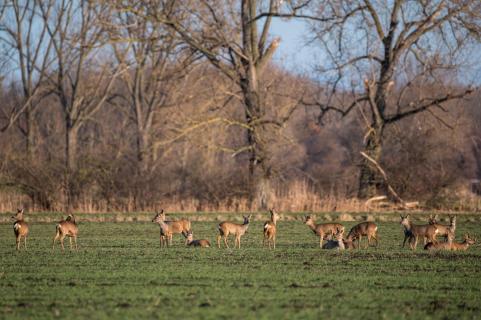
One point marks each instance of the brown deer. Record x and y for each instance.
(20, 228)
(443, 230)
(323, 229)
(413, 232)
(165, 230)
(181, 226)
(238, 230)
(66, 228)
(368, 229)
(270, 229)
(441, 245)
(204, 243)
(463, 246)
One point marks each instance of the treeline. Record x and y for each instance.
(132, 106)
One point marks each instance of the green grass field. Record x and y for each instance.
(120, 272)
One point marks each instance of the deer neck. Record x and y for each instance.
(274, 220)
(408, 225)
(311, 225)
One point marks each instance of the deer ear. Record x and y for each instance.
(161, 211)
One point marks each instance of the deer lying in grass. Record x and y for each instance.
(181, 226)
(323, 229)
(413, 232)
(66, 228)
(368, 229)
(204, 243)
(463, 246)
(238, 230)
(270, 229)
(450, 244)
(339, 243)
(444, 230)
(20, 228)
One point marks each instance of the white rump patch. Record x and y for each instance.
(16, 226)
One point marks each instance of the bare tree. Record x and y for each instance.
(82, 78)
(27, 45)
(234, 38)
(382, 52)
(157, 61)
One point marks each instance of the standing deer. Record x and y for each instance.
(20, 228)
(66, 228)
(323, 229)
(181, 226)
(238, 230)
(444, 230)
(165, 230)
(368, 229)
(413, 232)
(204, 243)
(270, 229)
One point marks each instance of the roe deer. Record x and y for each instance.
(323, 229)
(413, 232)
(270, 229)
(204, 243)
(238, 230)
(181, 226)
(165, 230)
(463, 246)
(338, 244)
(368, 229)
(66, 228)
(441, 245)
(443, 230)
(20, 228)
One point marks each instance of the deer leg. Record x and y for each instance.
(57, 235)
(218, 240)
(225, 242)
(405, 238)
(70, 241)
(375, 238)
(415, 243)
(321, 237)
(75, 241)
(17, 241)
(61, 241)
(274, 241)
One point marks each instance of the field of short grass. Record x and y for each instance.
(120, 272)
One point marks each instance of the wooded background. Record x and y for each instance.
(126, 105)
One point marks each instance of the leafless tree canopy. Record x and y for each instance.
(126, 105)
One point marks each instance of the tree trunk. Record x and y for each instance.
(71, 138)
(29, 134)
(143, 151)
(259, 174)
(370, 181)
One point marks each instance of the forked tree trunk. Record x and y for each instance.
(370, 181)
